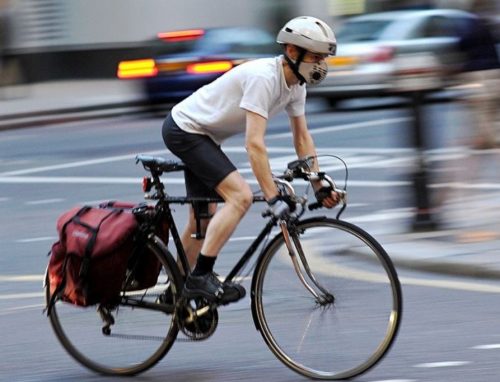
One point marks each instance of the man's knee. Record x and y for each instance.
(236, 192)
(242, 199)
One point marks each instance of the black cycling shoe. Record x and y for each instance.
(207, 286)
(212, 289)
(232, 292)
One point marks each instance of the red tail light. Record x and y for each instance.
(146, 184)
(209, 67)
(137, 69)
(381, 55)
(189, 34)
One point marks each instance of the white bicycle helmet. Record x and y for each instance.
(308, 33)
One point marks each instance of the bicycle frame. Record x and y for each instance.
(178, 243)
(321, 295)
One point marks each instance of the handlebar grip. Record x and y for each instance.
(314, 206)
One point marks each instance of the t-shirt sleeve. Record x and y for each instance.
(297, 105)
(256, 96)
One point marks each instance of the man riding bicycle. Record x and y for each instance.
(241, 101)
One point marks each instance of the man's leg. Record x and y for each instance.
(191, 245)
(238, 197)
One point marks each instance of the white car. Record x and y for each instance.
(385, 53)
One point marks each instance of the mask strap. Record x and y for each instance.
(295, 65)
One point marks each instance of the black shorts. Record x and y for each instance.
(206, 162)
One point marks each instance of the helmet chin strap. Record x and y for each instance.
(295, 65)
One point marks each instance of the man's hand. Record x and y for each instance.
(280, 206)
(327, 197)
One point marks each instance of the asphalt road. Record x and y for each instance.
(450, 329)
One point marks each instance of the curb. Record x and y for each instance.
(446, 268)
(69, 114)
(475, 260)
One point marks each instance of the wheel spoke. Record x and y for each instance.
(348, 326)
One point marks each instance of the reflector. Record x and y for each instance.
(189, 34)
(209, 67)
(137, 69)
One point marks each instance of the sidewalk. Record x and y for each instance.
(466, 243)
(467, 239)
(48, 102)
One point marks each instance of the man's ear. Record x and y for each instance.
(291, 51)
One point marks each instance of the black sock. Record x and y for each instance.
(204, 265)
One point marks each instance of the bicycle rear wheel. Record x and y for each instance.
(351, 323)
(140, 335)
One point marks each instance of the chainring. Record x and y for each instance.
(195, 326)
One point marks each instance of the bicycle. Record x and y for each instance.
(325, 295)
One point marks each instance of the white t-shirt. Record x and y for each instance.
(219, 108)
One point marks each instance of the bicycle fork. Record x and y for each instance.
(322, 296)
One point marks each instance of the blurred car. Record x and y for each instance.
(378, 52)
(188, 59)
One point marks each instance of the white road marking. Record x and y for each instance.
(78, 164)
(455, 285)
(442, 364)
(243, 238)
(348, 126)
(487, 347)
(397, 213)
(22, 278)
(180, 181)
(75, 180)
(21, 308)
(37, 239)
(44, 201)
(15, 296)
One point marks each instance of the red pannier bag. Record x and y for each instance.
(97, 251)
(143, 266)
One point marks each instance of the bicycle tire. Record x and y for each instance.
(138, 339)
(336, 340)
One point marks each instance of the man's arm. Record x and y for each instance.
(304, 146)
(256, 126)
(302, 140)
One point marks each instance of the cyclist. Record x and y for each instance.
(241, 101)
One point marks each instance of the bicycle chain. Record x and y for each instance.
(187, 338)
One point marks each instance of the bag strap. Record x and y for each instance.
(91, 243)
(62, 284)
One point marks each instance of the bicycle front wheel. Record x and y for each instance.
(127, 338)
(337, 314)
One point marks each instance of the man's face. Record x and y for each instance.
(314, 57)
(311, 57)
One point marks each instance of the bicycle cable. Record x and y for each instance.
(346, 177)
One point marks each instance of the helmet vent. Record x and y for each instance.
(322, 27)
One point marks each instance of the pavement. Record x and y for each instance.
(465, 241)
(58, 101)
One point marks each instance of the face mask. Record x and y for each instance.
(313, 72)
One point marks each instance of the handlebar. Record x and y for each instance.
(298, 169)
(301, 169)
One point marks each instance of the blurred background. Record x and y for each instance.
(54, 39)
